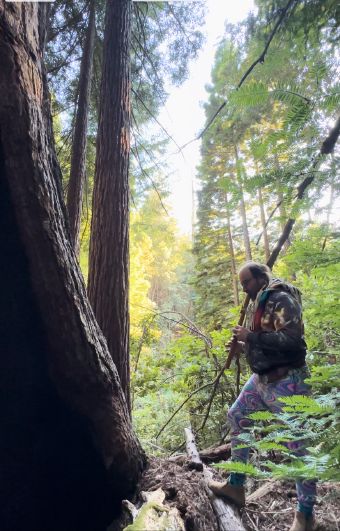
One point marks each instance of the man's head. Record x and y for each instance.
(254, 276)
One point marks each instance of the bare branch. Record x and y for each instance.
(269, 218)
(193, 328)
(144, 172)
(271, 36)
(193, 393)
(156, 120)
(327, 147)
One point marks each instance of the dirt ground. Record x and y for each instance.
(271, 510)
(275, 510)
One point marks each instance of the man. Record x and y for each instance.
(275, 350)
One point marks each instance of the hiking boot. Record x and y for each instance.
(303, 523)
(232, 493)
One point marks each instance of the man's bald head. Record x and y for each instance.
(253, 277)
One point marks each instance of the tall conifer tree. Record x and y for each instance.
(109, 244)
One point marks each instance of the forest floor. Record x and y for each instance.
(270, 505)
(274, 511)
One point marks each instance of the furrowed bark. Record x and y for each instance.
(78, 156)
(78, 441)
(109, 243)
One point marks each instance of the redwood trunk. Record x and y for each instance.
(68, 453)
(109, 250)
(78, 156)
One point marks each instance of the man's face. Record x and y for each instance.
(250, 285)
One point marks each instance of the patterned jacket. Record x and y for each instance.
(276, 338)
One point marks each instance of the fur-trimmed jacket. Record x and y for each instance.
(276, 338)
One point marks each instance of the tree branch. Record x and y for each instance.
(144, 172)
(271, 36)
(157, 121)
(183, 404)
(260, 59)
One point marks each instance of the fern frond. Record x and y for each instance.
(261, 415)
(308, 467)
(241, 468)
(288, 94)
(330, 102)
(305, 404)
(266, 446)
(297, 116)
(319, 69)
(251, 94)
(241, 446)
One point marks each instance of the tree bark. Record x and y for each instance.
(109, 249)
(78, 155)
(69, 454)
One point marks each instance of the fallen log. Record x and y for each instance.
(266, 488)
(195, 462)
(209, 455)
(219, 453)
(227, 516)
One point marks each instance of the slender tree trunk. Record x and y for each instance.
(282, 209)
(242, 207)
(232, 257)
(193, 211)
(283, 217)
(264, 227)
(331, 200)
(67, 440)
(109, 249)
(78, 155)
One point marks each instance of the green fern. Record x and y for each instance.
(309, 467)
(251, 94)
(262, 415)
(288, 93)
(330, 102)
(305, 404)
(325, 377)
(241, 468)
(297, 116)
(267, 446)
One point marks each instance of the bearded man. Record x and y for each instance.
(275, 350)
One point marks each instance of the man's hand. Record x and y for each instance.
(241, 333)
(238, 348)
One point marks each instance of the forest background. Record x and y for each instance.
(184, 296)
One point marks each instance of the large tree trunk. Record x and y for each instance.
(67, 452)
(78, 156)
(109, 250)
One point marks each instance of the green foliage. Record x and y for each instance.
(314, 421)
(241, 468)
(150, 413)
(306, 405)
(186, 367)
(265, 137)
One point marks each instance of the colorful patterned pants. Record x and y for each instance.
(256, 395)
